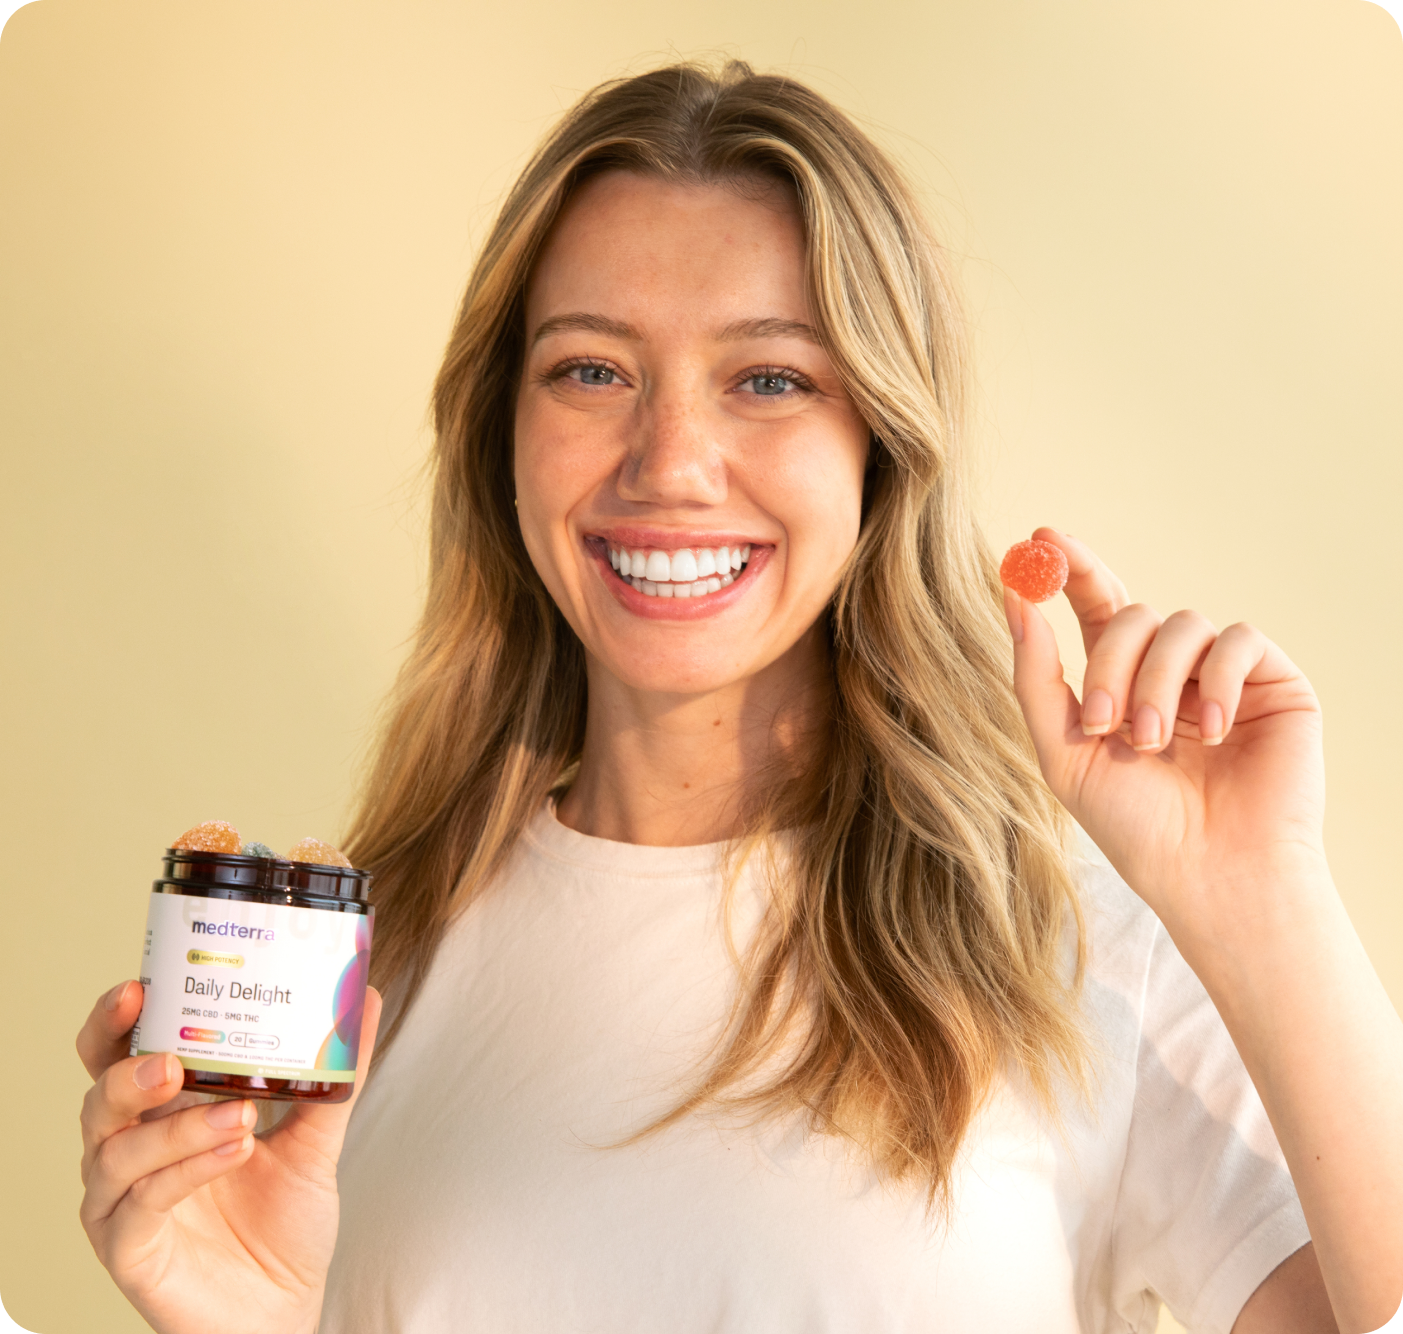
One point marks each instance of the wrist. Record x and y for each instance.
(1242, 927)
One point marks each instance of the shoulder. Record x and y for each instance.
(1150, 1009)
(1121, 933)
(1139, 996)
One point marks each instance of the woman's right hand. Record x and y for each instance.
(203, 1226)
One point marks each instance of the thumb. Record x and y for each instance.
(1049, 706)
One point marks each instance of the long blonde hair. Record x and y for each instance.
(915, 951)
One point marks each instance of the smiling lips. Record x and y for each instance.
(687, 573)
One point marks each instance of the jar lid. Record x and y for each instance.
(269, 874)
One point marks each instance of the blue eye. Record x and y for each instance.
(770, 385)
(594, 375)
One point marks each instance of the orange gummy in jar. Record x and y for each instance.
(212, 836)
(1034, 569)
(316, 852)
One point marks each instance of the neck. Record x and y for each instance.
(674, 770)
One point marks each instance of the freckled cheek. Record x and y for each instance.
(559, 465)
(819, 502)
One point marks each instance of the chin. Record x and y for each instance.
(689, 677)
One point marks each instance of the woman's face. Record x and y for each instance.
(688, 466)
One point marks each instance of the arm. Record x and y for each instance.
(1291, 1300)
(1323, 1045)
(1194, 761)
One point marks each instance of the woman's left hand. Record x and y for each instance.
(1193, 759)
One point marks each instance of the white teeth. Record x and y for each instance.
(684, 573)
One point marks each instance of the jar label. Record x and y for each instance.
(244, 988)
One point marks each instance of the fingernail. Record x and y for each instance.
(1145, 730)
(234, 1146)
(114, 997)
(1013, 609)
(227, 1115)
(1210, 723)
(152, 1072)
(1097, 710)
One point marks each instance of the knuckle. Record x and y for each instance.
(183, 1132)
(170, 1128)
(1188, 619)
(1099, 613)
(88, 1112)
(139, 1191)
(1106, 660)
(1099, 676)
(1102, 612)
(100, 1162)
(102, 1097)
(1156, 683)
(1140, 611)
(106, 1158)
(1244, 631)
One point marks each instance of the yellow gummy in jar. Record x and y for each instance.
(211, 836)
(315, 851)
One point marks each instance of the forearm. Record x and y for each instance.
(1324, 1046)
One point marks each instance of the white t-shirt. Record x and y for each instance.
(481, 1189)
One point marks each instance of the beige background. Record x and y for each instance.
(232, 236)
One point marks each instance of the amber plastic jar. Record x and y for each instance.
(254, 973)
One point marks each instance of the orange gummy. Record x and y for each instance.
(313, 850)
(1034, 569)
(212, 836)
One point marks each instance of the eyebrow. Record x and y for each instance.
(742, 329)
(588, 323)
(733, 333)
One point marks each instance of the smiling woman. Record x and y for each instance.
(655, 267)
(698, 415)
(747, 968)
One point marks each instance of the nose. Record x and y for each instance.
(675, 458)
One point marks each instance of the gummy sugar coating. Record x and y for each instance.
(257, 850)
(1034, 569)
(315, 851)
(212, 836)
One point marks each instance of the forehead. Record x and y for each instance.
(635, 247)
